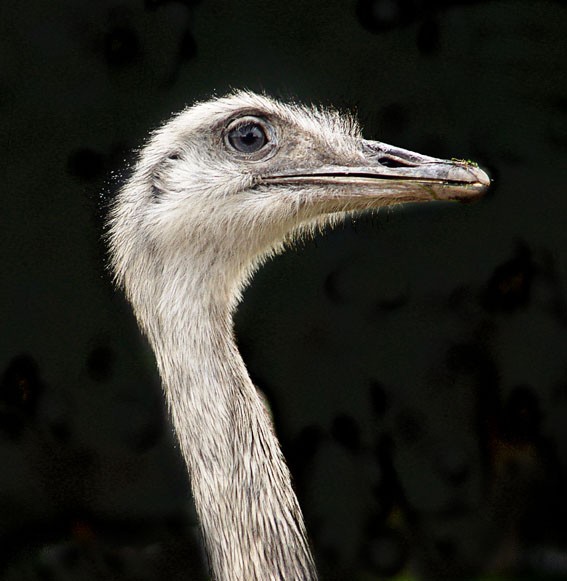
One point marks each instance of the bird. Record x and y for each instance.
(216, 191)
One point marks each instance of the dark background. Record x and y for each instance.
(415, 360)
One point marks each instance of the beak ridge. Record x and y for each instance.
(382, 170)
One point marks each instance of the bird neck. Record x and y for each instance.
(251, 520)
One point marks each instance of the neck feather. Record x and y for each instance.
(251, 520)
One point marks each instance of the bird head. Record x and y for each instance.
(228, 181)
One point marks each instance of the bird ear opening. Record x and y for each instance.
(155, 193)
(157, 190)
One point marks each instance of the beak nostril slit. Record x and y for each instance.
(392, 162)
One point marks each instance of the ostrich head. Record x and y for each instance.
(217, 189)
(225, 183)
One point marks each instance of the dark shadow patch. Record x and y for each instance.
(509, 287)
(385, 552)
(428, 37)
(100, 364)
(379, 398)
(86, 164)
(346, 432)
(121, 46)
(21, 386)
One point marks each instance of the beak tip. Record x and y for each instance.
(473, 174)
(483, 177)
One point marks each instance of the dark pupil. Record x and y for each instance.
(247, 138)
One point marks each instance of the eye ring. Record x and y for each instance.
(250, 137)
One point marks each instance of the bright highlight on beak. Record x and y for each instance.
(385, 171)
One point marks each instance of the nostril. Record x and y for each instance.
(392, 162)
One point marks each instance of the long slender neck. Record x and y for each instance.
(251, 520)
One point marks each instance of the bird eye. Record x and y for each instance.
(247, 137)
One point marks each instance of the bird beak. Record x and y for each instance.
(392, 174)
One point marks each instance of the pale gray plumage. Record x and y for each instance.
(187, 230)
